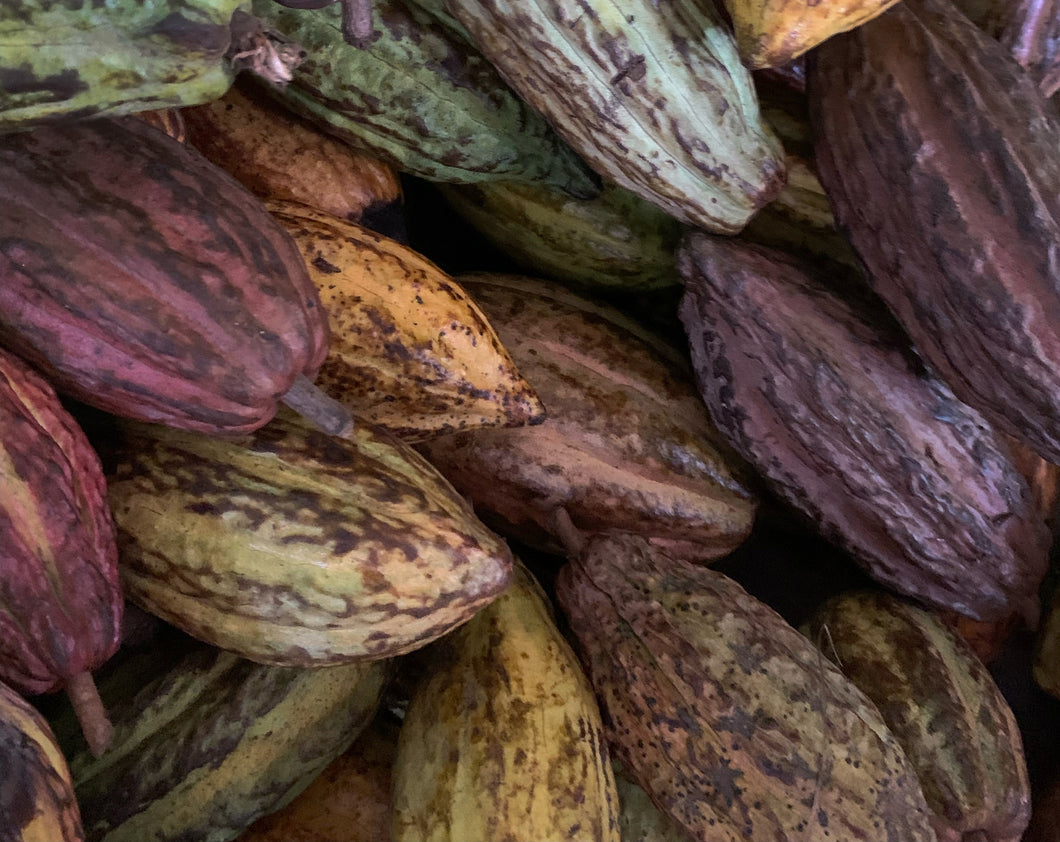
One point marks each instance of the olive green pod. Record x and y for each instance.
(941, 704)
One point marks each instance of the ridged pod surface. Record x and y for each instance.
(276, 155)
(729, 718)
(502, 738)
(216, 741)
(410, 350)
(138, 54)
(292, 547)
(652, 95)
(941, 704)
(37, 799)
(147, 282)
(770, 33)
(627, 443)
(421, 97)
(838, 416)
(939, 155)
(61, 602)
(613, 241)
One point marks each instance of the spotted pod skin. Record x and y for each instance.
(652, 95)
(826, 400)
(410, 350)
(938, 152)
(37, 800)
(214, 742)
(292, 547)
(502, 738)
(61, 602)
(71, 61)
(626, 444)
(143, 280)
(941, 704)
(419, 96)
(733, 723)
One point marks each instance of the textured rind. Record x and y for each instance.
(941, 704)
(627, 443)
(652, 95)
(502, 738)
(836, 415)
(71, 61)
(940, 160)
(613, 241)
(410, 350)
(61, 602)
(729, 718)
(37, 799)
(275, 155)
(217, 741)
(770, 33)
(145, 281)
(421, 97)
(292, 547)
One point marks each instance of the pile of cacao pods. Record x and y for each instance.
(549, 420)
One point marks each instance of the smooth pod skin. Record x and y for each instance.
(825, 399)
(61, 603)
(295, 548)
(942, 705)
(626, 445)
(147, 282)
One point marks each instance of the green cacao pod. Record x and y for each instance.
(941, 704)
(145, 281)
(421, 97)
(214, 741)
(292, 547)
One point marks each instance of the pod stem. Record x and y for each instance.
(321, 410)
(88, 707)
(572, 538)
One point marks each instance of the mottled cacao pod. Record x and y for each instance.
(939, 154)
(941, 704)
(60, 599)
(842, 421)
(731, 720)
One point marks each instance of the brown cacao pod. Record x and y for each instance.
(626, 443)
(939, 154)
(833, 410)
(60, 598)
(731, 720)
(145, 281)
(941, 704)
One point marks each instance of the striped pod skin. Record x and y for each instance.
(733, 723)
(142, 54)
(502, 738)
(939, 154)
(410, 350)
(292, 547)
(941, 704)
(215, 742)
(37, 799)
(825, 399)
(61, 603)
(652, 95)
(143, 280)
(627, 443)
(421, 98)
